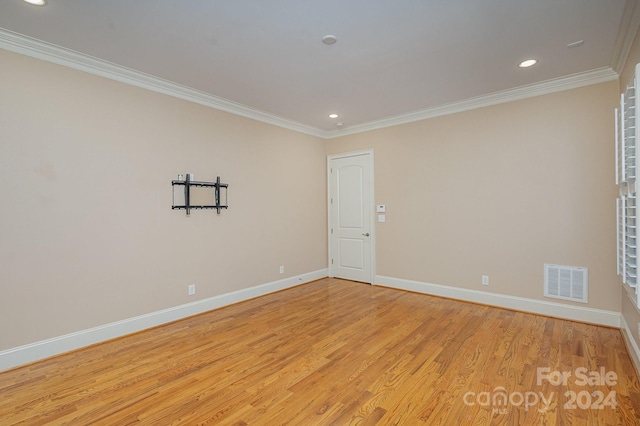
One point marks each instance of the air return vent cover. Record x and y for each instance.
(566, 282)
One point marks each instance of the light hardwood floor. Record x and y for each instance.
(337, 352)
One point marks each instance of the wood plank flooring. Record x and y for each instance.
(335, 352)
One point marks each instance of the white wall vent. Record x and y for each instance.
(566, 282)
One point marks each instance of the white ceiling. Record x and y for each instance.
(392, 58)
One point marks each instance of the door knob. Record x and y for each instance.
(366, 234)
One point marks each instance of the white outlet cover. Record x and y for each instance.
(382, 218)
(485, 280)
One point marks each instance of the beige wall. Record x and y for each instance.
(630, 313)
(500, 191)
(631, 316)
(87, 235)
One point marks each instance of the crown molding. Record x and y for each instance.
(35, 48)
(48, 52)
(574, 81)
(629, 25)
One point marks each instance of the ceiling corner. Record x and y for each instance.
(629, 25)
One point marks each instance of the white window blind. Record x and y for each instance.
(626, 120)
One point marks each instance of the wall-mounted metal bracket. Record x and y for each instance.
(217, 186)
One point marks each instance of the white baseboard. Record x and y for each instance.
(552, 309)
(634, 350)
(46, 348)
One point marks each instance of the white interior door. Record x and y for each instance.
(351, 239)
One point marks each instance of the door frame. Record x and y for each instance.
(372, 209)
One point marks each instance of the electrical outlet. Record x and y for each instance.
(485, 280)
(282, 269)
(192, 289)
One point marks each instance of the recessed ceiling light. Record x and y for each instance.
(528, 63)
(329, 39)
(36, 2)
(334, 115)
